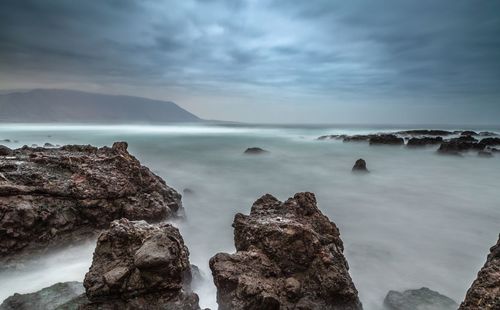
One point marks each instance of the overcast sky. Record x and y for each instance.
(267, 61)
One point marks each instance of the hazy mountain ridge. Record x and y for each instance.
(55, 105)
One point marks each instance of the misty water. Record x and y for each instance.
(418, 219)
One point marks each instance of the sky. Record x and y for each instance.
(315, 61)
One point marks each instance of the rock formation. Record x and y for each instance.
(57, 196)
(421, 299)
(468, 133)
(357, 138)
(140, 266)
(48, 298)
(425, 132)
(484, 293)
(255, 151)
(5, 151)
(289, 256)
(386, 139)
(360, 166)
(416, 142)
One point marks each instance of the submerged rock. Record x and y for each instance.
(416, 142)
(255, 151)
(484, 293)
(421, 299)
(289, 256)
(140, 266)
(486, 154)
(58, 196)
(332, 137)
(360, 166)
(48, 298)
(386, 139)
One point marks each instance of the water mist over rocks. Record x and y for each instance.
(418, 219)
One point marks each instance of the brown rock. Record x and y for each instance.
(289, 256)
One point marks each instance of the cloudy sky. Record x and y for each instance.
(310, 61)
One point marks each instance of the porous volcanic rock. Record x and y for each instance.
(484, 293)
(417, 142)
(386, 139)
(52, 197)
(255, 151)
(421, 299)
(48, 298)
(289, 256)
(360, 166)
(137, 265)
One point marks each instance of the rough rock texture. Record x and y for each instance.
(456, 146)
(5, 151)
(425, 132)
(416, 142)
(140, 266)
(48, 298)
(468, 133)
(487, 133)
(490, 141)
(358, 138)
(360, 166)
(484, 293)
(386, 139)
(421, 299)
(255, 151)
(56, 196)
(289, 256)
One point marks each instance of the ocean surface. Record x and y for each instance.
(418, 219)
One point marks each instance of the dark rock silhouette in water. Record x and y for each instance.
(51, 197)
(386, 139)
(484, 293)
(255, 151)
(468, 133)
(289, 256)
(424, 141)
(48, 298)
(421, 299)
(360, 166)
(425, 132)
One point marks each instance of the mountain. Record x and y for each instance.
(69, 106)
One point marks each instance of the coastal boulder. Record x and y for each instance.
(140, 266)
(421, 299)
(255, 151)
(288, 256)
(360, 166)
(51, 197)
(386, 139)
(484, 293)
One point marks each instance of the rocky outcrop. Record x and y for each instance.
(55, 196)
(48, 298)
(386, 139)
(421, 299)
(456, 146)
(484, 293)
(468, 133)
(425, 132)
(289, 256)
(140, 266)
(255, 151)
(424, 141)
(357, 138)
(360, 166)
(5, 151)
(487, 134)
(492, 141)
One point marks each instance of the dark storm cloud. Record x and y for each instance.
(359, 48)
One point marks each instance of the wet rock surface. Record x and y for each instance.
(255, 151)
(421, 299)
(289, 256)
(5, 151)
(424, 141)
(360, 166)
(484, 293)
(424, 132)
(386, 139)
(48, 298)
(52, 197)
(140, 266)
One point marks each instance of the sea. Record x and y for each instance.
(418, 219)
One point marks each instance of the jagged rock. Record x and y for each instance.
(5, 151)
(386, 139)
(468, 133)
(48, 298)
(425, 132)
(421, 299)
(255, 151)
(52, 197)
(484, 293)
(360, 166)
(140, 266)
(289, 256)
(486, 154)
(416, 142)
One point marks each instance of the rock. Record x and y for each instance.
(466, 138)
(490, 141)
(332, 137)
(289, 256)
(47, 144)
(52, 197)
(421, 299)
(484, 293)
(457, 145)
(5, 151)
(255, 151)
(487, 134)
(425, 132)
(386, 139)
(46, 299)
(5, 140)
(468, 133)
(417, 142)
(357, 138)
(360, 166)
(484, 154)
(139, 266)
